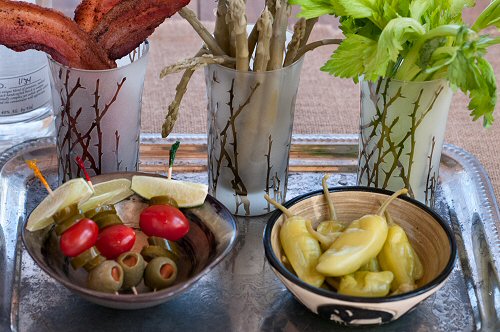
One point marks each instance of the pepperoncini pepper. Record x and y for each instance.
(301, 248)
(371, 266)
(366, 284)
(359, 242)
(398, 256)
(327, 230)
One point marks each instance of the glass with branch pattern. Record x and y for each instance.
(99, 115)
(250, 122)
(402, 132)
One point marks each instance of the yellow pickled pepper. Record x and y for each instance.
(366, 284)
(398, 256)
(372, 266)
(327, 230)
(301, 248)
(359, 242)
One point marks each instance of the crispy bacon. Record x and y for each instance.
(130, 22)
(90, 12)
(25, 26)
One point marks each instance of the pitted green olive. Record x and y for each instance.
(107, 277)
(133, 266)
(160, 273)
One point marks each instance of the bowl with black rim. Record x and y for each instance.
(429, 235)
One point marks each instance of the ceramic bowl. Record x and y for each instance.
(211, 237)
(429, 235)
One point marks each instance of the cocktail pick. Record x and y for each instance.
(80, 164)
(173, 150)
(32, 164)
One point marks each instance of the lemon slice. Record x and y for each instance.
(186, 194)
(109, 192)
(71, 192)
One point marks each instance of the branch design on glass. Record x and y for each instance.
(80, 142)
(117, 148)
(430, 189)
(391, 129)
(273, 181)
(229, 137)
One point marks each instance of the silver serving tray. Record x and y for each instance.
(242, 293)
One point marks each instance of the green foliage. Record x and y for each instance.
(414, 40)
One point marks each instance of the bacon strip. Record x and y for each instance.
(90, 12)
(25, 26)
(130, 22)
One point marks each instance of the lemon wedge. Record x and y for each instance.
(71, 192)
(186, 194)
(109, 192)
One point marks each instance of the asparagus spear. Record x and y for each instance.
(309, 27)
(237, 10)
(316, 44)
(221, 30)
(207, 37)
(180, 91)
(196, 63)
(271, 5)
(293, 47)
(278, 39)
(265, 30)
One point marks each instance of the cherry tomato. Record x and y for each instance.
(79, 237)
(164, 221)
(115, 240)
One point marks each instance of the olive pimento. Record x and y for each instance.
(107, 277)
(133, 266)
(160, 273)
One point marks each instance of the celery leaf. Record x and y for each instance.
(352, 57)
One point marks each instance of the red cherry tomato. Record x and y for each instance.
(164, 221)
(79, 237)
(115, 240)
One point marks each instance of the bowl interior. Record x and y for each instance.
(427, 236)
(211, 236)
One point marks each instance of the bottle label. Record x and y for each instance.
(24, 93)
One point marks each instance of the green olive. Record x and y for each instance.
(160, 273)
(163, 200)
(133, 266)
(85, 257)
(65, 213)
(107, 220)
(107, 277)
(67, 223)
(150, 252)
(100, 211)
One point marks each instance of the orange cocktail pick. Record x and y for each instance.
(32, 164)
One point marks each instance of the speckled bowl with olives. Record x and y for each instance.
(430, 237)
(211, 237)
